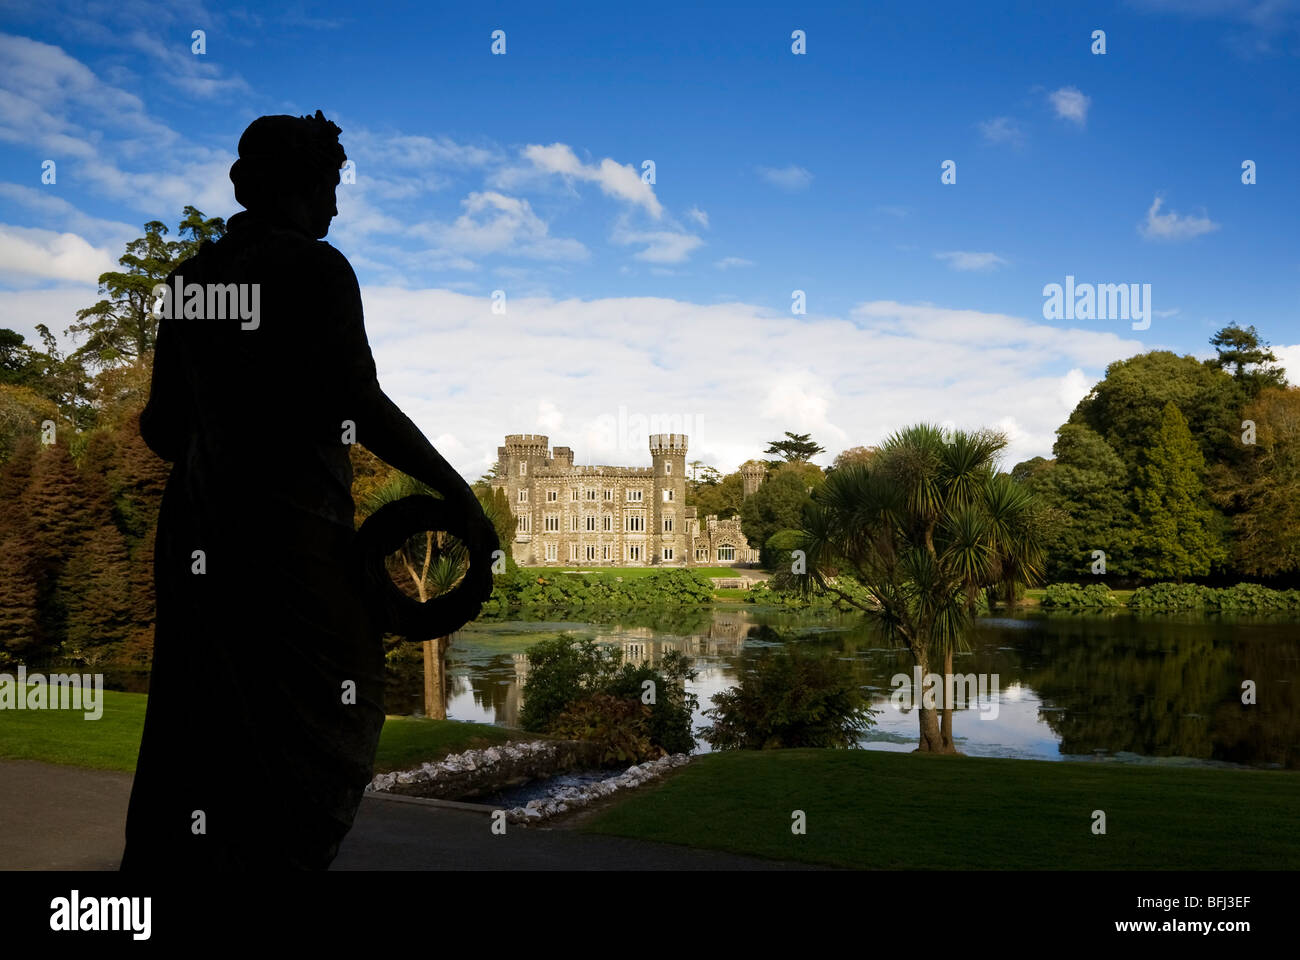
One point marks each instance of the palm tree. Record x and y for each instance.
(433, 563)
(923, 528)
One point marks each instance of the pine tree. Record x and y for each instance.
(1177, 531)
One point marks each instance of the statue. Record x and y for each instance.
(266, 698)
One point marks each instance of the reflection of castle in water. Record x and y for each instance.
(723, 637)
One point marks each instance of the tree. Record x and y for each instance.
(722, 499)
(852, 455)
(122, 328)
(1084, 493)
(1178, 529)
(922, 528)
(1124, 409)
(796, 448)
(1248, 358)
(778, 505)
(1264, 491)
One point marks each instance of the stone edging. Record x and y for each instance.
(572, 798)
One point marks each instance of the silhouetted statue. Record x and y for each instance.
(266, 698)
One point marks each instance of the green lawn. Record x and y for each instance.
(112, 741)
(878, 810)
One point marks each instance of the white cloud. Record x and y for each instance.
(1288, 357)
(699, 216)
(787, 178)
(662, 246)
(1002, 130)
(566, 367)
(1170, 226)
(495, 223)
(728, 262)
(614, 179)
(30, 255)
(56, 308)
(1071, 104)
(967, 261)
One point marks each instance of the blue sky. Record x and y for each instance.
(773, 172)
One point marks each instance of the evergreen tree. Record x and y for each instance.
(1178, 535)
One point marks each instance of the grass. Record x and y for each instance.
(730, 594)
(881, 810)
(113, 741)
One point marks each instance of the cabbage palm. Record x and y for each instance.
(924, 527)
(433, 563)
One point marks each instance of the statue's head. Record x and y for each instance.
(288, 168)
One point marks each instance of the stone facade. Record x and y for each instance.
(605, 516)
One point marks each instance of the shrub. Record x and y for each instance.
(673, 708)
(619, 727)
(567, 670)
(1073, 596)
(789, 699)
(1242, 598)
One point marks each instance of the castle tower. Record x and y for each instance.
(752, 475)
(517, 461)
(669, 542)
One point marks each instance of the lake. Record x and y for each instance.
(1116, 687)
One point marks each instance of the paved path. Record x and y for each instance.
(70, 818)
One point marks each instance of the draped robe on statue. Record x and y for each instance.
(265, 702)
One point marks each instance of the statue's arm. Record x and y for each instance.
(382, 427)
(163, 424)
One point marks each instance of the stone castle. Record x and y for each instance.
(613, 516)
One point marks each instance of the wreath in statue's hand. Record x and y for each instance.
(387, 529)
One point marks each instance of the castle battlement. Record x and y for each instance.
(661, 443)
(564, 470)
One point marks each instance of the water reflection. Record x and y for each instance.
(1119, 687)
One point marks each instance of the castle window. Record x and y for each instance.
(523, 496)
(635, 524)
(591, 494)
(726, 553)
(591, 522)
(609, 522)
(521, 524)
(604, 552)
(609, 494)
(634, 552)
(552, 523)
(552, 552)
(668, 524)
(552, 496)
(575, 494)
(573, 551)
(591, 551)
(702, 554)
(668, 467)
(668, 496)
(634, 496)
(573, 522)
(523, 468)
(668, 553)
